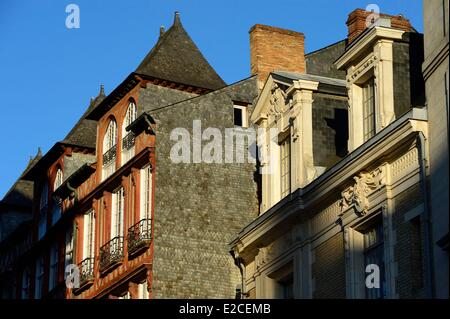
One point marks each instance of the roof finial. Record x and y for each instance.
(177, 18)
(161, 30)
(102, 90)
(39, 153)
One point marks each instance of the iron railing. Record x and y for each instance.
(86, 271)
(111, 253)
(128, 141)
(110, 155)
(139, 235)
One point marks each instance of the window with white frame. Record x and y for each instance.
(240, 116)
(146, 192)
(39, 282)
(369, 115)
(285, 159)
(53, 278)
(109, 149)
(57, 202)
(143, 290)
(43, 205)
(118, 199)
(26, 284)
(89, 235)
(69, 241)
(128, 138)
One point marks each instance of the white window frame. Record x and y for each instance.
(130, 117)
(68, 252)
(244, 114)
(117, 213)
(143, 290)
(89, 234)
(146, 190)
(110, 141)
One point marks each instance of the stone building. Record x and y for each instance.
(141, 201)
(435, 71)
(344, 196)
(110, 199)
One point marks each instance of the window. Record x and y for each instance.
(56, 212)
(89, 235)
(146, 192)
(285, 150)
(58, 179)
(128, 138)
(110, 149)
(39, 278)
(369, 109)
(68, 259)
(374, 254)
(43, 204)
(53, 279)
(240, 115)
(117, 213)
(26, 284)
(143, 290)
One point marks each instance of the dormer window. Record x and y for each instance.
(110, 149)
(369, 125)
(240, 116)
(128, 138)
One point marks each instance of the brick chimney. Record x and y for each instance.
(275, 49)
(356, 22)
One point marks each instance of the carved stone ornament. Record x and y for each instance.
(277, 101)
(264, 255)
(365, 184)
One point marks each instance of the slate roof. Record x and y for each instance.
(310, 77)
(84, 133)
(21, 193)
(175, 57)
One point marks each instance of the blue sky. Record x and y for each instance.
(48, 72)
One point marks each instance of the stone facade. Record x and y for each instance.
(436, 75)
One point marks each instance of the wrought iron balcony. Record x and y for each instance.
(111, 254)
(139, 236)
(110, 155)
(128, 141)
(86, 271)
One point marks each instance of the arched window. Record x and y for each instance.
(110, 139)
(110, 149)
(130, 116)
(128, 138)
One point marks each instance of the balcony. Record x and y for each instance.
(86, 272)
(111, 254)
(139, 236)
(109, 162)
(128, 147)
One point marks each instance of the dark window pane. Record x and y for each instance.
(238, 117)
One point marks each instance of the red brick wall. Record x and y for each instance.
(277, 49)
(356, 23)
